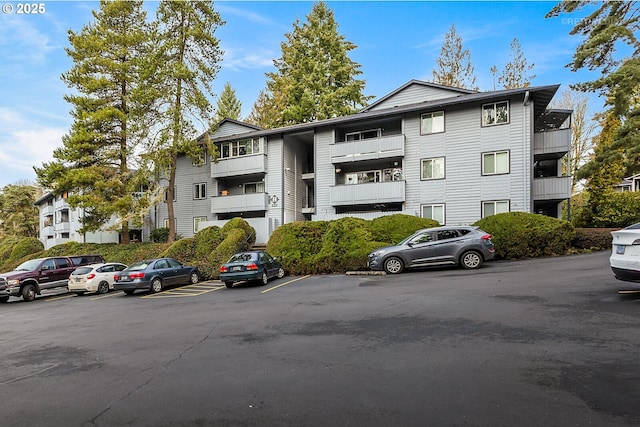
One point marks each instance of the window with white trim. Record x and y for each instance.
(200, 159)
(166, 223)
(200, 191)
(432, 123)
(495, 163)
(245, 147)
(364, 134)
(432, 168)
(435, 212)
(196, 222)
(253, 187)
(494, 207)
(496, 113)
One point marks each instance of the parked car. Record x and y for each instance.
(32, 276)
(465, 246)
(251, 265)
(94, 278)
(154, 275)
(625, 254)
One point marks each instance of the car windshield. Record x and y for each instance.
(137, 266)
(30, 265)
(244, 257)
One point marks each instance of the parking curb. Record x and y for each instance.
(365, 273)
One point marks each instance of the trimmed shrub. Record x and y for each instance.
(183, 250)
(345, 246)
(594, 239)
(26, 246)
(159, 235)
(296, 245)
(392, 229)
(525, 235)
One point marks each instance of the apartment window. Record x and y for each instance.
(62, 216)
(495, 114)
(196, 222)
(494, 207)
(240, 148)
(362, 177)
(435, 212)
(433, 168)
(365, 134)
(253, 187)
(200, 159)
(495, 163)
(200, 191)
(166, 194)
(166, 223)
(432, 123)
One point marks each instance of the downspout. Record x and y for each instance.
(527, 183)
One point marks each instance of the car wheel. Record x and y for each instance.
(264, 279)
(103, 287)
(156, 286)
(393, 265)
(129, 291)
(4, 300)
(471, 260)
(29, 293)
(228, 284)
(280, 273)
(194, 278)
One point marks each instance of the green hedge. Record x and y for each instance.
(593, 239)
(526, 235)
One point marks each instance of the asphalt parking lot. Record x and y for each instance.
(528, 343)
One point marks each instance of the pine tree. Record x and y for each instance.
(188, 60)
(263, 113)
(314, 79)
(93, 165)
(516, 72)
(454, 63)
(228, 105)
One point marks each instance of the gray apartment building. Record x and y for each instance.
(428, 150)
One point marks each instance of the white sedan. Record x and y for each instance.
(94, 278)
(625, 253)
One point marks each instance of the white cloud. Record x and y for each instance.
(237, 59)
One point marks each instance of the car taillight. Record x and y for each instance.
(91, 276)
(223, 269)
(116, 277)
(252, 266)
(136, 275)
(486, 237)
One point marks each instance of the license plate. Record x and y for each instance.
(77, 279)
(620, 249)
(236, 268)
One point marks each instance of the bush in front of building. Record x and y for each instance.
(593, 239)
(519, 235)
(314, 247)
(159, 235)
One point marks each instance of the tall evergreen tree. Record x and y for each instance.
(188, 59)
(611, 45)
(228, 105)
(454, 63)
(93, 165)
(314, 79)
(516, 72)
(264, 112)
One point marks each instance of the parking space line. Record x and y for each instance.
(67, 296)
(109, 295)
(184, 292)
(285, 283)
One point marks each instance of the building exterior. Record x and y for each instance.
(59, 223)
(428, 150)
(631, 183)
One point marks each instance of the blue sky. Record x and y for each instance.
(396, 42)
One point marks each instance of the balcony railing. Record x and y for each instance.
(237, 166)
(552, 188)
(552, 141)
(370, 193)
(240, 203)
(368, 149)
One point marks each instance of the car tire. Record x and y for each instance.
(393, 265)
(156, 286)
(129, 292)
(470, 260)
(228, 284)
(4, 300)
(264, 279)
(103, 287)
(280, 273)
(194, 278)
(29, 293)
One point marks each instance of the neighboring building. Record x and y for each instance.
(59, 223)
(631, 183)
(428, 150)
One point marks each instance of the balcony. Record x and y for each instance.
(368, 149)
(238, 166)
(240, 203)
(370, 193)
(552, 188)
(552, 141)
(62, 227)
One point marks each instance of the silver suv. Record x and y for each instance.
(465, 246)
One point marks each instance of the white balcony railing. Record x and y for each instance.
(370, 193)
(552, 188)
(368, 149)
(237, 166)
(240, 203)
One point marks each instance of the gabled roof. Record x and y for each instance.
(41, 200)
(239, 123)
(455, 92)
(541, 95)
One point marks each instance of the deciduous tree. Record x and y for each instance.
(454, 63)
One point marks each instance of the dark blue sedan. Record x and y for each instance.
(251, 265)
(154, 275)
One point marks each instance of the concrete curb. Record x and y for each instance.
(365, 273)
